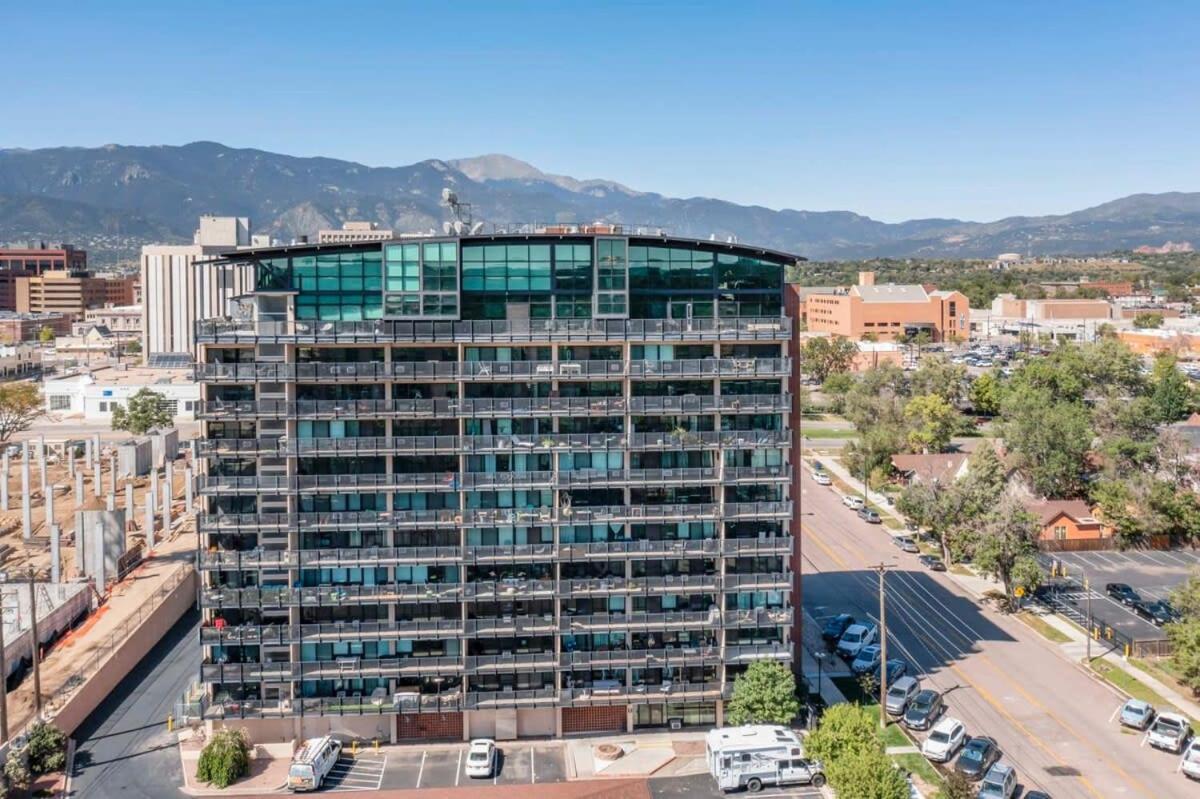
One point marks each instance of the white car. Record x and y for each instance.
(481, 758)
(1189, 764)
(852, 502)
(866, 660)
(854, 639)
(944, 740)
(822, 479)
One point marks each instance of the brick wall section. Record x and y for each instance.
(609, 718)
(435, 726)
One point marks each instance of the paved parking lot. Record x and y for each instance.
(703, 786)
(520, 763)
(1152, 574)
(363, 773)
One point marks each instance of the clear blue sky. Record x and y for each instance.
(971, 108)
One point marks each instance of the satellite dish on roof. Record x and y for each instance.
(475, 228)
(458, 227)
(446, 228)
(449, 197)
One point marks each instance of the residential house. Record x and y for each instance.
(1066, 520)
(940, 467)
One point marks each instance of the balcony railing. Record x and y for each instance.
(675, 656)
(580, 478)
(748, 653)
(326, 558)
(603, 586)
(332, 596)
(481, 700)
(511, 625)
(602, 693)
(227, 410)
(482, 331)
(354, 705)
(639, 621)
(283, 635)
(347, 668)
(509, 661)
(758, 582)
(757, 474)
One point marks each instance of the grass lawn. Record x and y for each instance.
(1163, 670)
(827, 432)
(1136, 688)
(960, 570)
(1046, 630)
(922, 768)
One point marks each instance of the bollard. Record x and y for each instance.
(170, 723)
(375, 743)
(354, 749)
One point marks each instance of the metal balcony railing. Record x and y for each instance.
(758, 510)
(608, 549)
(511, 624)
(758, 582)
(579, 478)
(601, 692)
(639, 621)
(486, 554)
(481, 700)
(282, 635)
(675, 656)
(326, 558)
(316, 596)
(684, 583)
(748, 653)
(509, 661)
(227, 410)
(352, 705)
(757, 474)
(775, 328)
(345, 668)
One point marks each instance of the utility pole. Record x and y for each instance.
(883, 675)
(37, 660)
(1087, 589)
(3, 679)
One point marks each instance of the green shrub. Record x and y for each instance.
(47, 749)
(16, 770)
(225, 759)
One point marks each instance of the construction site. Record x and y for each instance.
(95, 538)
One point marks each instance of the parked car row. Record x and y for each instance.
(1170, 732)
(1157, 611)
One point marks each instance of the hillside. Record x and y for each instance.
(112, 199)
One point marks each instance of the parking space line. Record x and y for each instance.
(458, 768)
(421, 770)
(532, 770)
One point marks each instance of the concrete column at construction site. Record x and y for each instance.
(98, 559)
(26, 502)
(49, 505)
(55, 555)
(79, 489)
(87, 452)
(129, 509)
(187, 487)
(43, 456)
(166, 508)
(170, 479)
(70, 456)
(96, 451)
(112, 475)
(152, 490)
(97, 482)
(110, 501)
(149, 524)
(4, 483)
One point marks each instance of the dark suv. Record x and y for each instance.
(1123, 593)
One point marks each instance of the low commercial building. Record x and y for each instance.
(18, 262)
(17, 327)
(1066, 520)
(1183, 343)
(123, 321)
(889, 312)
(95, 394)
(1110, 288)
(19, 359)
(1008, 306)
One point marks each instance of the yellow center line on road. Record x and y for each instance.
(987, 697)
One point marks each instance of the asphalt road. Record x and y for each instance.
(123, 750)
(1054, 723)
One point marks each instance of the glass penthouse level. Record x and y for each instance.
(494, 485)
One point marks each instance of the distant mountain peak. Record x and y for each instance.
(498, 166)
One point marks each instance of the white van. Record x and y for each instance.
(729, 749)
(312, 763)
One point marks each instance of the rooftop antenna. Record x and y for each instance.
(446, 228)
(461, 210)
(475, 228)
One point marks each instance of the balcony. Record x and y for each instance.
(675, 656)
(483, 700)
(600, 622)
(758, 617)
(513, 552)
(757, 474)
(758, 510)
(346, 668)
(508, 589)
(602, 693)
(583, 478)
(605, 586)
(510, 625)
(317, 596)
(749, 653)
(326, 558)
(228, 410)
(284, 635)
(776, 328)
(511, 661)
(356, 705)
(254, 484)
(758, 582)
(711, 367)
(670, 549)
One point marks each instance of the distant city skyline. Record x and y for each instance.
(971, 111)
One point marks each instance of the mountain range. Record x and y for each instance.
(113, 199)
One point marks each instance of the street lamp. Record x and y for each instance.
(820, 656)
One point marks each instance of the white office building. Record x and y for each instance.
(181, 285)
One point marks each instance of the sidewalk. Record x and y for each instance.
(832, 666)
(880, 501)
(269, 765)
(673, 754)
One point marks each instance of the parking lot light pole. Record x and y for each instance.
(1087, 590)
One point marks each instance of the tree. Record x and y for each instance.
(225, 758)
(46, 334)
(848, 743)
(1185, 650)
(764, 694)
(932, 422)
(145, 411)
(937, 375)
(1171, 394)
(1144, 321)
(956, 786)
(1006, 547)
(20, 406)
(985, 394)
(835, 388)
(134, 347)
(1050, 439)
(950, 510)
(47, 749)
(822, 356)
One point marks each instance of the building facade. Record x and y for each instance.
(888, 312)
(499, 485)
(94, 395)
(18, 327)
(19, 262)
(181, 284)
(71, 293)
(353, 232)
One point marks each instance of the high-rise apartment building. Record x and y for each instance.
(181, 283)
(72, 293)
(19, 262)
(510, 485)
